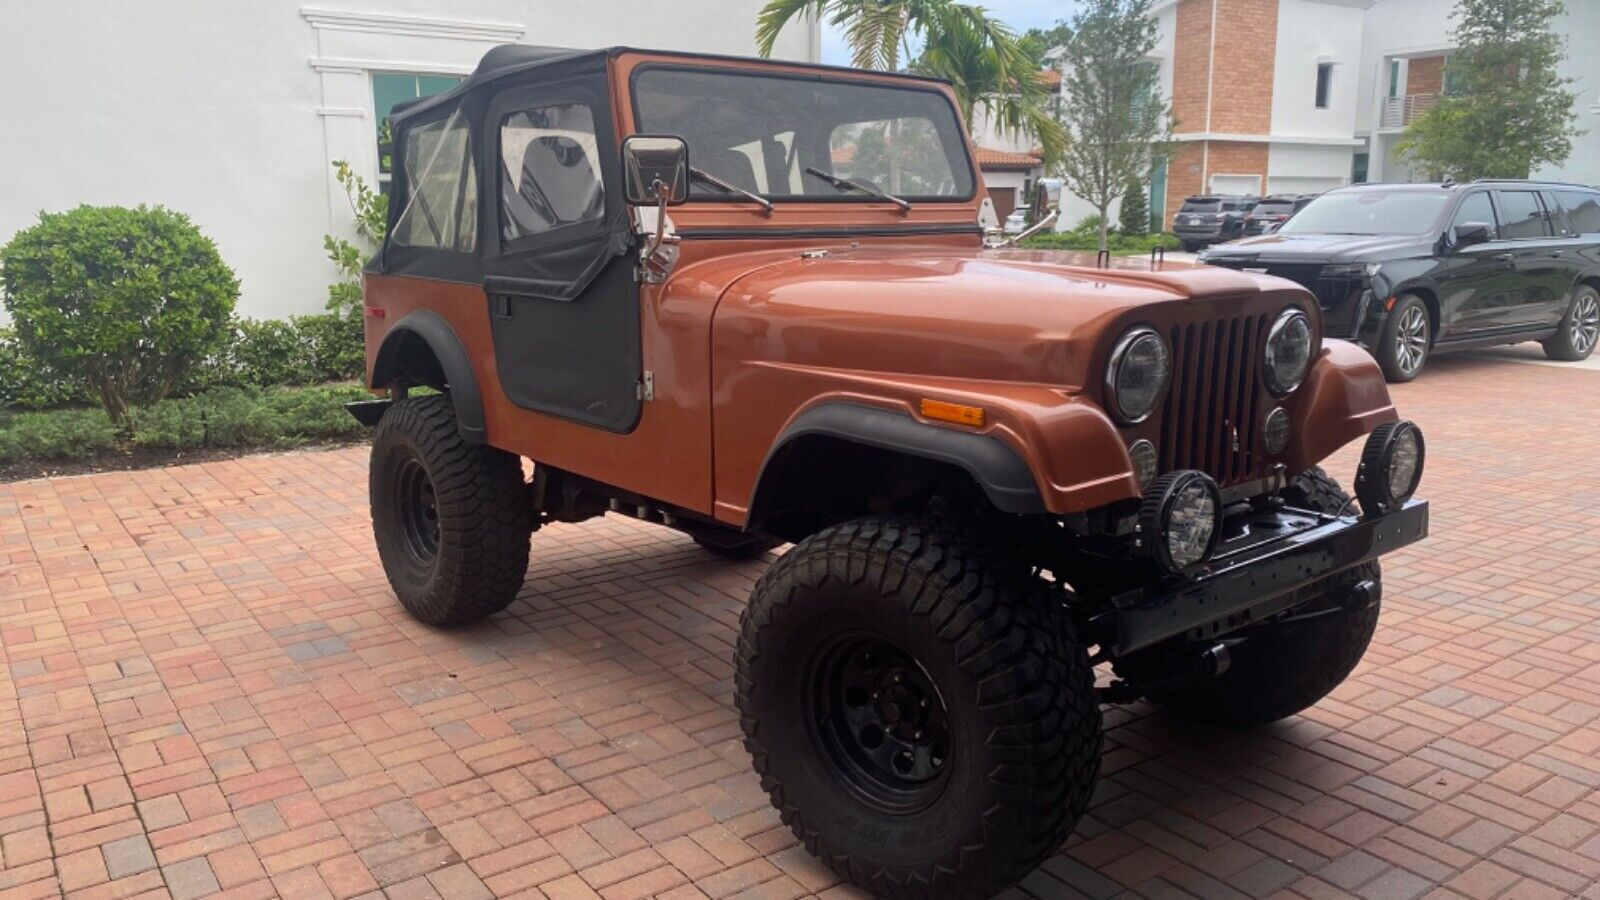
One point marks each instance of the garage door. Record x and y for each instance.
(1236, 184)
(1302, 184)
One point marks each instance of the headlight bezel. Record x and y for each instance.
(1269, 374)
(1119, 355)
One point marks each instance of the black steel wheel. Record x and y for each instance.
(920, 713)
(451, 520)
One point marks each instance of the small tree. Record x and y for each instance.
(1511, 111)
(125, 301)
(1134, 216)
(1113, 112)
(372, 222)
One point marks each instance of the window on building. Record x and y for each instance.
(1358, 168)
(1521, 215)
(1455, 82)
(1394, 78)
(1583, 210)
(441, 209)
(1324, 84)
(549, 170)
(390, 89)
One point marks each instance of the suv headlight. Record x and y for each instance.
(1137, 376)
(1288, 354)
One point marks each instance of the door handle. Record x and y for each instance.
(1557, 253)
(1509, 259)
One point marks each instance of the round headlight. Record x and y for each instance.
(1275, 433)
(1136, 378)
(1288, 351)
(1180, 521)
(1390, 468)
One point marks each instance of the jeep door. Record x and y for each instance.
(563, 303)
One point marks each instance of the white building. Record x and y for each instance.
(233, 112)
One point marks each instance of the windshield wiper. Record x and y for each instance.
(845, 184)
(714, 181)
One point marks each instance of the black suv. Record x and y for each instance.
(1271, 212)
(1211, 219)
(1412, 269)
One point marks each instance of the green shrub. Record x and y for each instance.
(1133, 217)
(59, 434)
(244, 417)
(268, 352)
(334, 346)
(316, 414)
(26, 384)
(125, 300)
(1117, 243)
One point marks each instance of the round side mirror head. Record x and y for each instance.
(655, 169)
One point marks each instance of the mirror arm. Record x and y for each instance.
(1031, 230)
(656, 240)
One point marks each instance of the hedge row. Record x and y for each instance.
(228, 417)
(1118, 244)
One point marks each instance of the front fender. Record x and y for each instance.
(1343, 398)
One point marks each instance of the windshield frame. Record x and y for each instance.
(923, 86)
(1434, 227)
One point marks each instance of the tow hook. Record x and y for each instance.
(1207, 663)
(1366, 594)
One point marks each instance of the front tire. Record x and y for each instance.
(452, 520)
(923, 720)
(1284, 667)
(1579, 330)
(1405, 340)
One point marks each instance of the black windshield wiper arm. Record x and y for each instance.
(845, 184)
(714, 181)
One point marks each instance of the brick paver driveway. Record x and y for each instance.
(207, 684)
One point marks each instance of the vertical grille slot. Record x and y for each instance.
(1209, 420)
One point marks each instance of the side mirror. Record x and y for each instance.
(1469, 233)
(655, 170)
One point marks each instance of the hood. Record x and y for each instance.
(1338, 248)
(1007, 315)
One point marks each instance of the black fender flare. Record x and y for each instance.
(997, 469)
(431, 328)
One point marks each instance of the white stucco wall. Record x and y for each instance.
(1311, 32)
(232, 112)
(1307, 168)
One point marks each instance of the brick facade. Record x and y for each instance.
(1194, 162)
(1241, 83)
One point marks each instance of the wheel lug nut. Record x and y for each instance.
(916, 735)
(923, 703)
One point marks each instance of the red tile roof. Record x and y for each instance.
(1005, 159)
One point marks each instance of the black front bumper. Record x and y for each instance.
(1271, 561)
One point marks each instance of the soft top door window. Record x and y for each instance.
(1521, 215)
(441, 210)
(549, 170)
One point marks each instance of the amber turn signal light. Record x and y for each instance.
(958, 413)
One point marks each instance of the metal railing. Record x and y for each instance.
(1398, 112)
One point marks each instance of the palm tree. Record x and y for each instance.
(981, 56)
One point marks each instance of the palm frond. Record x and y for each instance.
(778, 13)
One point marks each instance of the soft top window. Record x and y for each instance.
(762, 132)
(550, 170)
(441, 210)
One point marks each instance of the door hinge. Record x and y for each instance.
(646, 386)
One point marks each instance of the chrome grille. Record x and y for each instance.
(1209, 419)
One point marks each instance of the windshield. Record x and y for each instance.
(761, 133)
(1201, 206)
(1369, 212)
(1274, 208)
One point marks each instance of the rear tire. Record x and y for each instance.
(1286, 666)
(452, 520)
(1405, 340)
(1190, 246)
(1579, 330)
(924, 721)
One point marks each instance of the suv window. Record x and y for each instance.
(1521, 215)
(548, 174)
(1274, 207)
(1238, 206)
(1201, 206)
(441, 209)
(1583, 210)
(1476, 208)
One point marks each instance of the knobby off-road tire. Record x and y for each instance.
(907, 624)
(1285, 667)
(1579, 331)
(452, 521)
(735, 545)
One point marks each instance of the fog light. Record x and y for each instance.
(1143, 454)
(1179, 521)
(1390, 468)
(1276, 431)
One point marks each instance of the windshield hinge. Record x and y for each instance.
(645, 388)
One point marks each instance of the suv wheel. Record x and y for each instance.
(1285, 666)
(1405, 339)
(735, 545)
(452, 521)
(924, 722)
(1580, 329)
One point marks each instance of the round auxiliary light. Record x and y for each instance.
(1288, 353)
(1137, 375)
(1275, 433)
(1143, 454)
(1180, 521)
(1390, 468)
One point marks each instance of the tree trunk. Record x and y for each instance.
(1104, 245)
